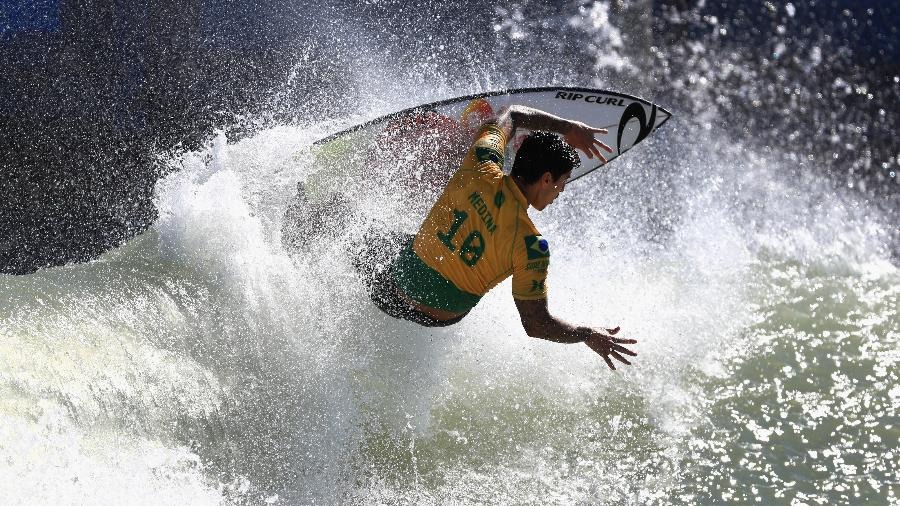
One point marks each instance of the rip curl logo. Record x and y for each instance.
(536, 247)
(591, 99)
(635, 111)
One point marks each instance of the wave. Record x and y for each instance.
(203, 362)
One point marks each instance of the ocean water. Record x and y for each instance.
(203, 363)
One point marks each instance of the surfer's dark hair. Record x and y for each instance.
(543, 152)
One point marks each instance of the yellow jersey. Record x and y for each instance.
(476, 235)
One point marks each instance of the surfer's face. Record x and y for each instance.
(550, 189)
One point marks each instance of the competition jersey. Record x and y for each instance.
(477, 234)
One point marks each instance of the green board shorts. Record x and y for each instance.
(376, 260)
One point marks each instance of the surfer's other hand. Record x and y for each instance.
(581, 136)
(607, 345)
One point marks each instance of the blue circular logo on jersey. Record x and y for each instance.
(543, 245)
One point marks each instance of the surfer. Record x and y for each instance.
(478, 233)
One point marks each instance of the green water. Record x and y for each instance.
(802, 406)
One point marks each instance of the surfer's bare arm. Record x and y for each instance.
(538, 322)
(576, 133)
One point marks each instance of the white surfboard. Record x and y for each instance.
(628, 119)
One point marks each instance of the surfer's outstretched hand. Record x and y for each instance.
(581, 136)
(607, 345)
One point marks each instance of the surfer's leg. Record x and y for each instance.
(385, 296)
(373, 259)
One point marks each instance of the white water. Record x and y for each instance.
(201, 363)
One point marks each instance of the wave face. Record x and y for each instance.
(202, 363)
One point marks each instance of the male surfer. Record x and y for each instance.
(478, 233)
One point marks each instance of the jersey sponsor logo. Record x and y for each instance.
(489, 146)
(537, 247)
(537, 285)
(538, 265)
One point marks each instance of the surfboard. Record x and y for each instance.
(628, 119)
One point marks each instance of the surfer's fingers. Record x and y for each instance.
(603, 145)
(609, 362)
(623, 349)
(620, 358)
(599, 346)
(613, 331)
(592, 146)
(599, 130)
(580, 143)
(623, 341)
(591, 150)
